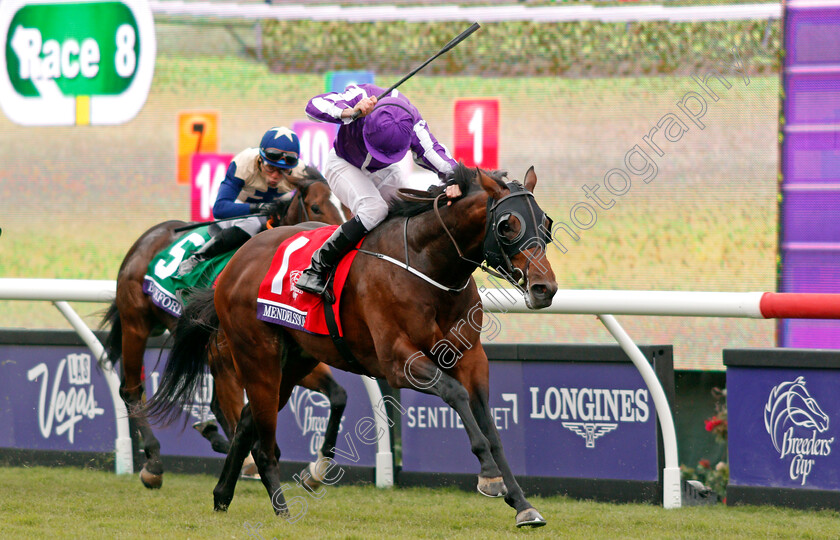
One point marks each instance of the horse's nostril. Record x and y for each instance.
(539, 290)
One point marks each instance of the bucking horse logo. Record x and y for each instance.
(790, 401)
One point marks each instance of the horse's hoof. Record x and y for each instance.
(249, 469)
(308, 477)
(220, 507)
(529, 518)
(492, 487)
(151, 481)
(283, 513)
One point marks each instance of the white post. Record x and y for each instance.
(124, 461)
(384, 458)
(671, 483)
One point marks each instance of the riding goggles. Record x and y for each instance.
(282, 159)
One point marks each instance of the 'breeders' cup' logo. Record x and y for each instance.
(596, 411)
(790, 405)
(311, 411)
(294, 276)
(66, 407)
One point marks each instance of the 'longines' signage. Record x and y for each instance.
(572, 420)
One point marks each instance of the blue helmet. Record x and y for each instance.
(280, 147)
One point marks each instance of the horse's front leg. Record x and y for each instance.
(473, 369)
(416, 370)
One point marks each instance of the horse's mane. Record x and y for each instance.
(464, 176)
(310, 174)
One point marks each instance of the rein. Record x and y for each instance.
(299, 195)
(302, 206)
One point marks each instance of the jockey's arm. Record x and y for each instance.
(338, 107)
(226, 205)
(431, 154)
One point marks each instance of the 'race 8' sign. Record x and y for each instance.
(65, 63)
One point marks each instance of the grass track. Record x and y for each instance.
(73, 503)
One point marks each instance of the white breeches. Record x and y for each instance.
(250, 224)
(366, 194)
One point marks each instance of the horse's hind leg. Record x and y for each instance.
(131, 390)
(268, 391)
(321, 380)
(209, 429)
(243, 439)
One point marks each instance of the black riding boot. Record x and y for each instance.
(226, 240)
(314, 279)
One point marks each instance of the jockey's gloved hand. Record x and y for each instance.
(450, 181)
(263, 208)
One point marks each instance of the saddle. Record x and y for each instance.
(162, 282)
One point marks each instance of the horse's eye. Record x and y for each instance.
(316, 209)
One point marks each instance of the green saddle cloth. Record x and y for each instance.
(163, 284)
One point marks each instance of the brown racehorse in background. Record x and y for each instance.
(401, 328)
(133, 318)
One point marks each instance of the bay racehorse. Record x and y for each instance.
(133, 318)
(416, 329)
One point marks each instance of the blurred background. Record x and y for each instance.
(574, 98)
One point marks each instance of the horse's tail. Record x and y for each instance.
(185, 368)
(113, 342)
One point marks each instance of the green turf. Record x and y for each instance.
(73, 503)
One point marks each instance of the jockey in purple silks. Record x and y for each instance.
(363, 166)
(255, 178)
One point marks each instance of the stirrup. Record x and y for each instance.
(312, 288)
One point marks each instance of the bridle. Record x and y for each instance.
(301, 196)
(497, 249)
(302, 204)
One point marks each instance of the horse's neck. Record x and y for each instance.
(430, 249)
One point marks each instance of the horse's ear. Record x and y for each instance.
(303, 186)
(312, 173)
(492, 187)
(530, 179)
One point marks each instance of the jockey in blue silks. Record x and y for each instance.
(363, 166)
(255, 178)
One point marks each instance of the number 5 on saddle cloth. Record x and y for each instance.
(162, 282)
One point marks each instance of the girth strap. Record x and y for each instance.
(338, 340)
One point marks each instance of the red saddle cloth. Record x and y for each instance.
(282, 303)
